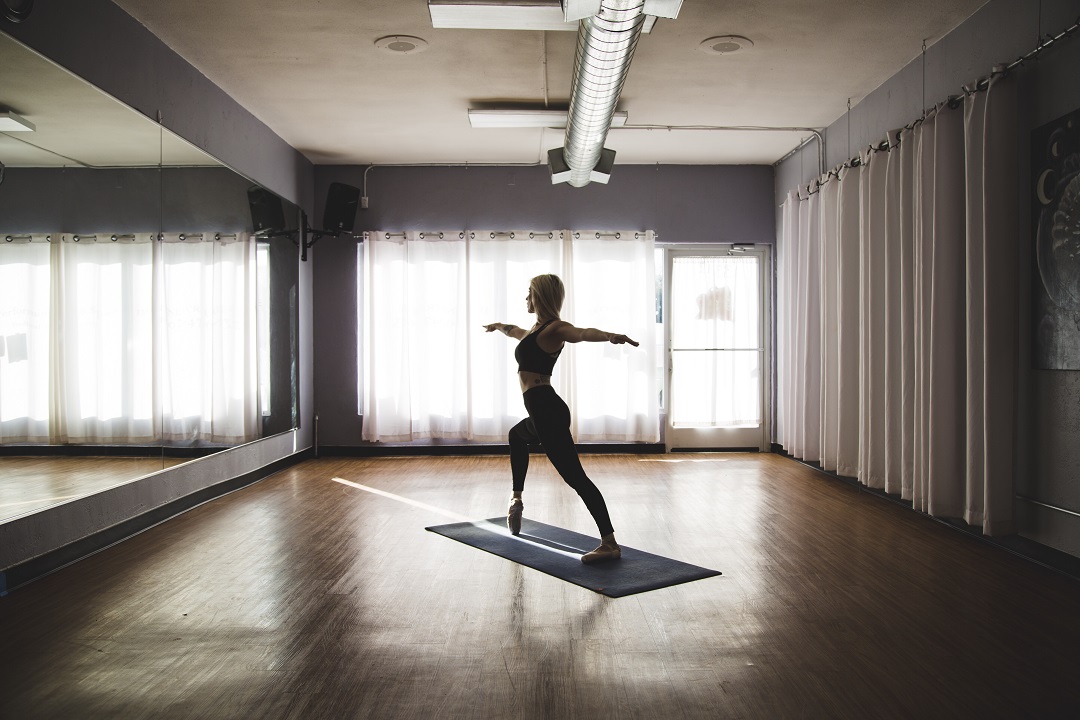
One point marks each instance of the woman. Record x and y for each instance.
(549, 417)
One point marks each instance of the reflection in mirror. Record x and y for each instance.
(227, 335)
(140, 316)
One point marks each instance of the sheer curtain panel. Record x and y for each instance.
(206, 339)
(24, 340)
(102, 341)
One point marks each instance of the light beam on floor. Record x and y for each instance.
(482, 524)
(682, 460)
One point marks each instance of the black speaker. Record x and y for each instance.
(18, 10)
(340, 212)
(267, 214)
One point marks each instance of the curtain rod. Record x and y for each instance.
(953, 101)
(367, 235)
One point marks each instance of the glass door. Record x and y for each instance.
(716, 361)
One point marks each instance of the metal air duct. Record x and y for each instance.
(605, 47)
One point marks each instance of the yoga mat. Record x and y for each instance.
(558, 552)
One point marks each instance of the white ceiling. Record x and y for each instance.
(312, 73)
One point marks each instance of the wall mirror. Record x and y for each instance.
(144, 318)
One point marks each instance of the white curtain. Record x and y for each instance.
(206, 339)
(123, 339)
(24, 340)
(993, 284)
(101, 341)
(415, 364)
(611, 285)
(429, 369)
(912, 318)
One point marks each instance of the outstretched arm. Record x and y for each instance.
(509, 330)
(568, 333)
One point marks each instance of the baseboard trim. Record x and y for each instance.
(413, 450)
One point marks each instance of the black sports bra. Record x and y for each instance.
(531, 358)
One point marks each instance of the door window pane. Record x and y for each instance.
(715, 389)
(714, 302)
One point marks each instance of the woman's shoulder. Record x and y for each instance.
(555, 329)
(554, 326)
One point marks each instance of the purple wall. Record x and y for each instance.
(682, 203)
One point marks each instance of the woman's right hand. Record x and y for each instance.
(492, 327)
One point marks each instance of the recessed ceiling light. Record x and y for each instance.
(401, 44)
(10, 122)
(725, 44)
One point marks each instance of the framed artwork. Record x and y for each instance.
(1055, 217)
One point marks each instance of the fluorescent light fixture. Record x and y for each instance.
(508, 15)
(10, 122)
(529, 118)
(518, 15)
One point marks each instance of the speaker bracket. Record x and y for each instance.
(314, 236)
(305, 239)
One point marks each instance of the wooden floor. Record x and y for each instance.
(301, 597)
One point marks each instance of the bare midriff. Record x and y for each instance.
(530, 380)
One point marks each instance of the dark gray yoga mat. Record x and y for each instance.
(558, 552)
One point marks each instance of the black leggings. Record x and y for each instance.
(549, 424)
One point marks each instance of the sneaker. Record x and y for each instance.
(513, 516)
(606, 551)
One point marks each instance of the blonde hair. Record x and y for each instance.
(547, 296)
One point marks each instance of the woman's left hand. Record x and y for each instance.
(621, 339)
